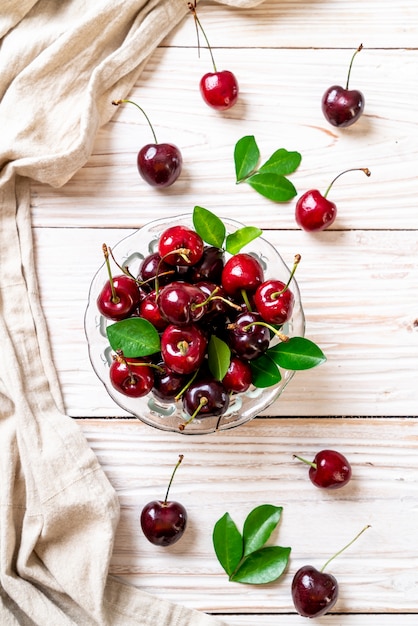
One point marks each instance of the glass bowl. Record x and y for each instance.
(168, 416)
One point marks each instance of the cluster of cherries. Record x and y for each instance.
(190, 293)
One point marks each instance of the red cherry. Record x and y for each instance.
(219, 89)
(163, 522)
(238, 376)
(149, 310)
(181, 303)
(120, 295)
(242, 272)
(180, 245)
(329, 469)
(274, 301)
(132, 377)
(343, 106)
(314, 211)
(183, 348)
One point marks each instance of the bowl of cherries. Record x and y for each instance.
(195, 324)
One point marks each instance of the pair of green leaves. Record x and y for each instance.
(245, 558)
(269, 179)
(213, 231)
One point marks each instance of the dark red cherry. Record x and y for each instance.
(314, 593)
(181, 303)
(153, 266)
(167, 384)
(159, 164)
(180, 245)
(210, 266)
(329, 469)
(342, 106)
(150, 310)
(246, 337)
(205, 397)
(131, 376)
(163, 522)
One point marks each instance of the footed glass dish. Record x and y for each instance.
(169, 416)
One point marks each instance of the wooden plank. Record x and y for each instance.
(359, 295)
(252, 465)
(280, 106)
(302, 24)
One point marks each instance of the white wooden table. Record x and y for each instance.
(359, 285)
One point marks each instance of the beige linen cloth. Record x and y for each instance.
(61, 63)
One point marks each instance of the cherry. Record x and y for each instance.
(205, 397)
(314, 592)
(314, 211)
(159, 164)
(210, 266)
(119, 296)
(167, 384)
(180, 245)
(181, 303)
(154, 267)
(242, 273)
(238, 376)
(149, 309)
(183, 348)
(343, 106)
(219, 89)
(163, 522)
(246, 337)
(133, 377)
(274, 300)
(329, 469)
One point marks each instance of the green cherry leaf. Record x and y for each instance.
(228, 544)
(237, 240)
(246, 156)
(135, 337)
(272, 186)
(262, 566)
(264, 371)
(209, 226)
(298, 353)
(219, 357)
(259, 525)
(281, 162)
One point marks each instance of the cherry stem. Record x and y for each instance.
(278, 333)
(186, 386)
(246, 300)
(311, 463)
(285, 288)
(115, 299)
(345, 547)
(353, 169)
(192, 8)
(352, 59)
(181, 456)
(117, 102)
(202, 402)
(213, 296)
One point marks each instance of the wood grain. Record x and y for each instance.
(359, 285)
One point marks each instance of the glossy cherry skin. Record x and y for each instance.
(167, 384)
(314, 212)
(149, 310)
(342, 107)
(183, 348)
(273, 306)
(160, 164)
(238, 376)
(332, 471)
(131, 377)
(153, 266)
(213, 391)
(241, 272)
(314, 593)
(210, 266)
(219, 89)
(177, 238)
(127, 294)
(245, 340)
(181, 303)
(163, 522)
